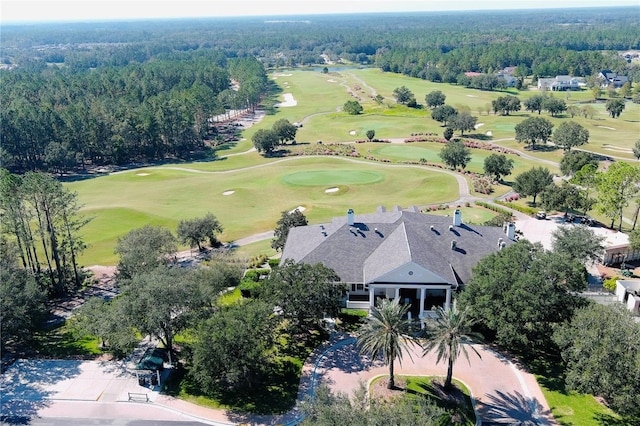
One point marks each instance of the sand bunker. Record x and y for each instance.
(472, 96)
(489, 133)
(352, 133)
(605, 127)
(275, 76)
(228, 192)
(299, 208)
(330, 190)
(331, 80)
(289, 101)
(477, 126)
(142, 174)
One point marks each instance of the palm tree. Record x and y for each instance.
(386, 332)
(450, 333)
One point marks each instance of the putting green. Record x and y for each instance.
(332, 177)
(505, 127)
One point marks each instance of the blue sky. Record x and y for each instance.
(91, 10)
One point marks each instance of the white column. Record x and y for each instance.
(372, 297)
(422, 297)
(447, 302)
(397, 296)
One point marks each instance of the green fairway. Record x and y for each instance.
(321, 96)
(430, 152)
(246, 201)
(327, 177)
(248, 192)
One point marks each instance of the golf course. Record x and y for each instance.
(248, 192)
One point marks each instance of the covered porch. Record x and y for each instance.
(422, 297)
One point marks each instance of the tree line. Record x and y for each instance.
(58, 120)
(41, 219)
(435, 46)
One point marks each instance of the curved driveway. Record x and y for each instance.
(503, 392)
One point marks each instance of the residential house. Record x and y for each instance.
(608, 78)
(416, 258)
(508, 78)
(560, 83)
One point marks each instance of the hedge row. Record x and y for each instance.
(522, 209)
(492, 207)
(469, 143)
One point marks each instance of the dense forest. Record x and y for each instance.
(79, 94)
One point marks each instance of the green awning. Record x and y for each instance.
(153, 359)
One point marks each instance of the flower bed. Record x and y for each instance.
(469, 143)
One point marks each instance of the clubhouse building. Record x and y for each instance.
(415, 258)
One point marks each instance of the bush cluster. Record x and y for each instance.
(257, 261)
(469, 143)
(329, 149)
(482, 184)
(522, 209)
(492, 207)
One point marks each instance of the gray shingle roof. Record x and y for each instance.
(380, 242)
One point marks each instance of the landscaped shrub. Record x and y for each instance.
(249, 289)
(482, 184)
(274, 262)
(610, 283)
(350, 320)
(522, 209)
(255, 274)
(258, 261)
(492, 207)
(469, 143)
(330, 149)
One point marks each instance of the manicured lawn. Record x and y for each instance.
(264, 187)
(575, 409)
(431, 150)
(255, 249)
(471, 215)
(430, 387)
(320, 96)
(124, 201)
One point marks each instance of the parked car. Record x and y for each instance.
(541, 215)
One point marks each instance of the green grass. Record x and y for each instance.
(317, 95)
(571, 408)
(230, 297)
(332, 178)
(255, 249)
(472, 215)
(459, 401)
(62, 342)
(264, 187)
(124, 201)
